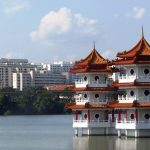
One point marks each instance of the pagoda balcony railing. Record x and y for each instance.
(80, 83)
(129, 124)
(126, 78)
(144, 99)
(125, 99)
(98, 83)
(80, 100)
(93, 123)
(93, 83)
(144, 78)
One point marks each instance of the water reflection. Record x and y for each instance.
(110, 143)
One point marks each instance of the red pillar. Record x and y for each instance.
(113, 117)
(136, 114)
(119, 116)
(76, 115)
(88, 115)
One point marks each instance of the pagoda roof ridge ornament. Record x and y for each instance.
(94, 44)
(142, 32)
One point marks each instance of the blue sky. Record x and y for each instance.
(50, 30)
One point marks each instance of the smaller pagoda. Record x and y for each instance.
(94, 91)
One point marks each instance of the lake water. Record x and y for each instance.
(55, 132)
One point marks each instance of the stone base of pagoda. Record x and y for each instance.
(134, 133)
(95, 131)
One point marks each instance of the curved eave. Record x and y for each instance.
(103, 89)
(141, 48)
(87, 106)
(133, 84)
(94, 58)
(123, 62)
(91, 70)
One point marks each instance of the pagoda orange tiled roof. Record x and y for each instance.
(102, 89)
(94, 62)
(60, 87)
(110, 105)
(139, 54)
(94, 58)
(132, 84)
(87, 105)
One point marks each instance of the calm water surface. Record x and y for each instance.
(56, 133)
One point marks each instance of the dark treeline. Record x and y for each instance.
(32, 101)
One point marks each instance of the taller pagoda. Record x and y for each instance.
(133, 82)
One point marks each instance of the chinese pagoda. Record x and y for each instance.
(113, 98)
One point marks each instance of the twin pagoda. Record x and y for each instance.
(113, 97)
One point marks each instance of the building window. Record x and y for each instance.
(132, 116)
(146, 116)
(96, 78)
(132, 93)
(146, 92)
(85, 95)
(96, 95)
(132, 72)
(85, 78)
(146, 71)
(85, 116)
(96, 116)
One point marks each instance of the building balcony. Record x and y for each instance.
(144, 99)
(144, 78)
(133, 125)
(126, 79)
(92, 123)
(125, 99)
(82, 83)
(81, 101)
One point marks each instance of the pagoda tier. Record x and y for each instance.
(111, 105)
(139, 54)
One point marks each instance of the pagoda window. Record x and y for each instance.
(96, 95)
(85, 95)
(132, 93)
(132, 116)
(85, 78)
(96, 116)
(85, 116)
(146, 116)
(132, 72)
(146, 71)
(146, 92)
(96, 78)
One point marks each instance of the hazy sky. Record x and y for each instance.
(48, 30)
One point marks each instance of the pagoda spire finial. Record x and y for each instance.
(94, 44)
(142, 31)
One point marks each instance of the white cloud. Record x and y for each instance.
(61, 22)
(84, 21)
(57, 22)
(108, 54)
(15, 7)
(12, 55)
(136, 13)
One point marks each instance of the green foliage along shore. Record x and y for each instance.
(32, 101)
